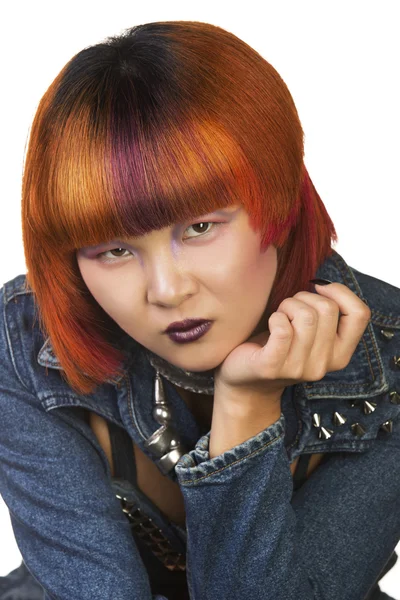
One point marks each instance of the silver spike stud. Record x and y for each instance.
(161, 411)
(354, 402)
(394, 397)
(324, 432)
(164, 443)
(387, 334)
(338, 419)
(358, 429)
(316, 420)
(395, 363)
(387, 426)
(369, 407)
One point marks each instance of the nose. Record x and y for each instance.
(169, 283)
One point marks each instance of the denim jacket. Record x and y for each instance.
(248, 536)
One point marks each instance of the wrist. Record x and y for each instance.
(239, 415)
(242, 402)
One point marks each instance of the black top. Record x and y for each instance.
(171, 584)
(300, 474)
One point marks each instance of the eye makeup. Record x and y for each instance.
(95, 251)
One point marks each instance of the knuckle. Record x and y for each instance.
(308, 315)
(341, 363)
(317, 367)
(296, 371)
(278, 316)
(363, 312)
(318, 373)
(271, 372)
(280, 325)
(363, 316)
(302, 295)
(328, 307)
(283, 333)
(284, 303)
(367, 313)
(325, 306)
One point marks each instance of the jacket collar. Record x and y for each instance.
(47, 358)
(363, 377)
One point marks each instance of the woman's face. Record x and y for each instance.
(208, 268)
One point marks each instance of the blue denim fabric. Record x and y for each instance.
(248, 536)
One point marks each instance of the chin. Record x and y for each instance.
(199, 364)
(194, 367)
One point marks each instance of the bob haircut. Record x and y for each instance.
(165, 122)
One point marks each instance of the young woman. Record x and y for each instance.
(184, 413)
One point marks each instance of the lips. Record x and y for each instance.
(185, 325)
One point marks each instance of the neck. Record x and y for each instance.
(200, 405)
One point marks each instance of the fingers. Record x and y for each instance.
(273, 355)
(304, 322)
(354, 319)
(312, 335)
(321, 357)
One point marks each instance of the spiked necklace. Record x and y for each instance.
(165, 443)
(201, 382)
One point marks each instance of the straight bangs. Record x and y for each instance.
(117, 175)
(121, 159)
(158, 126)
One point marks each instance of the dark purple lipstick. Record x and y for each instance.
(188, 330)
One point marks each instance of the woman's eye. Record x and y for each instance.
(201, 227)
(110, 260)
(118, 253)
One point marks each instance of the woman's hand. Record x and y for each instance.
(309, 335)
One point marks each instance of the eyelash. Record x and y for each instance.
(101, 258)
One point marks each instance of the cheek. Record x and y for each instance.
(226, 263)
(258, 274)
(242, 279)
(116, 299)
(254, 268)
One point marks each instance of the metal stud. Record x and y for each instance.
(161, 410)
(395, 362)
(387, 426)
(316, 420)
(338, 419)
(369, 407)
(394, 397)
(164, 443)
(358, 429)
(324, 432)
(387, 334)
(354, 402)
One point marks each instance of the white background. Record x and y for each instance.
(341, 63)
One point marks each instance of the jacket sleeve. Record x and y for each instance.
(249, 539)
(68, 524)
(241, 528)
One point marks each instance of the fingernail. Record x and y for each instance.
(321, 281)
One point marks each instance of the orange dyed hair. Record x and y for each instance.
(163, 123)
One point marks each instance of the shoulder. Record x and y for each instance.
(29, 363)
(20, 336)
(383, 299)
(375, 364)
